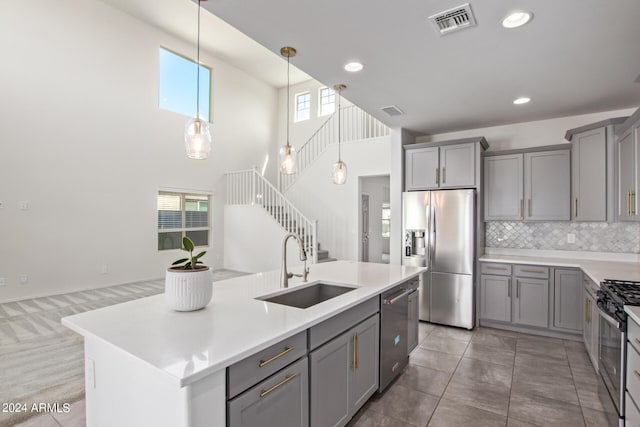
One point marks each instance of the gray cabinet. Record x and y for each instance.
(457, 165)
(344, 374)
(547, 185)
(567, 293)
(503, 184)
(412, 330)
(495, 298)
(628, 178)
(421, 168)
(280, 400)
(531, 302)
(589, 175)
(590, 320)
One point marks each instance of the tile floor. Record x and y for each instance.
(489, 377)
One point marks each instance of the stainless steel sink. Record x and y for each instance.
(308, 296)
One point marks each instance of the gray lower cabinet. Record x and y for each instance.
(495, 298)
(412, 330)
(567, 293)
(281, 400)
(531, 302)
(344, 374)
(547, 186)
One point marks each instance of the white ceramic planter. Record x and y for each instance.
(188, 290)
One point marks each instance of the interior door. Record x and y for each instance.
(365, 227)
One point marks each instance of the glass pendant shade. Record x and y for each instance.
(197, 138)
(288, 160)
(339, 172)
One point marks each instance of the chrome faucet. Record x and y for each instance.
(284, 274)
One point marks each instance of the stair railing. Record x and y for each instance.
(356, 125)
(249, 187)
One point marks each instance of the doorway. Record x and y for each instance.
(374, 219)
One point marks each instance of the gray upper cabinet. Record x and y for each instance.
(450, 164)
(567, 307)
(421, 168)
(531, 302)
(589, 176)
(628, 178)
(547, 185)
(495, 298)
(344, 374)
(503, 184)
(457, 165)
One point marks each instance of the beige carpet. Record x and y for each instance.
(42, 361)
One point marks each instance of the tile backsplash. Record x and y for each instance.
(589, 236)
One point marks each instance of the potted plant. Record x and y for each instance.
(188, 282)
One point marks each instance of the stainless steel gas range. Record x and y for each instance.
(612, 297)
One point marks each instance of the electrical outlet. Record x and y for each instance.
(571, 238)
(2, 281)
(24, 279)
(24, 205)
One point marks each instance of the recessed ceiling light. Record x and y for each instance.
(353, 67)
(521, 100)
(517, 19)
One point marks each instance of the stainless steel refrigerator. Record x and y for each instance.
(439, 233)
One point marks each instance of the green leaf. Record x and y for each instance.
(180, 261)
(187, 243)
(187, 266)
(200, 254)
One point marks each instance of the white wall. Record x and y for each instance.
(85, 143)
(377, 188)
(336, 206)
(528, 134)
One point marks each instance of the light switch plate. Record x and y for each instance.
(571, 238)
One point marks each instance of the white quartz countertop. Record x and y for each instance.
(190, 346)
(597, 270)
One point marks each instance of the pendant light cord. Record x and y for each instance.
(339, 128)
(198, 67)
(288, 100)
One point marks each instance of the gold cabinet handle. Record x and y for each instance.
(530, 207)
(517, 289)
(586, 311)
(637, 341)
(633, 208)
(509, 288)
(490, 267)
(637, 374)
(589, 310)
(575, 208)
(444, 175)
(520, 214)
(527, 270)
(437, 176)
(355, 352)
(286, 379)
(628, 203)
(277, 356)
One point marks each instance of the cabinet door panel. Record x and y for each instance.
(280, 400)
(547, 185)
(495, 298)
(531, 302)
(421, 166)
(567, 310)
(457, 165)
(503, 187)
(412, 334)
(364, 373)
(627, 176)
(330, 366)
(589, 176)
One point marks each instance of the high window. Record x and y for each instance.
(177, 85)
(327, 101)
(303, 106)
(386, 220)
(182, 214)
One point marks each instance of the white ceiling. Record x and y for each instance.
(575, 57)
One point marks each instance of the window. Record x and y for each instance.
(386, 220)
(177, 85)
(182, 214)
(327, 101)
(303, 106)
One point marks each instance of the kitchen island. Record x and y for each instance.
(148, 365)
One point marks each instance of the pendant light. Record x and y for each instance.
(288, 155)
(339, 168)
(197, 136)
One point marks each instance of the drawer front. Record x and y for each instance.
(533, 271)
(495, 269)
(330, 328)
(633, 373)
(633, 335)
(631, 413)
(259, 366)
(281, 400)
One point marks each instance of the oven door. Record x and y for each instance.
(611, 364)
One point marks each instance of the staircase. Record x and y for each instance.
(356, 124)
(248, 187)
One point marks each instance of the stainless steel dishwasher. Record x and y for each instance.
(394, 325)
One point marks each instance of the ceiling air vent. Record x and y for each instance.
(455, 19)
(393, 110)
